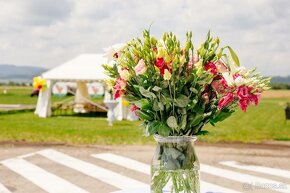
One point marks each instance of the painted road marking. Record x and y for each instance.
(94, 171)
(246, 179)
(260, 169)
(3, 189)
(45, 180)
(144, 168)
(124, 162)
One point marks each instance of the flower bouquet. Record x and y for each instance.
(177, 89)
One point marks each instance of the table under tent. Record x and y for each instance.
(86, 68)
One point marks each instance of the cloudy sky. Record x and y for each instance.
(47, 33)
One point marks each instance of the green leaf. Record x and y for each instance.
(183, 121)
(161, 106)
(222, 116)
(143, 104)
(164, 84)
(171, 122)
(163, 129)
(181, 101)
(195, 120)
(155, 106)
(146, 93)
(152, 127)
(143, 115)
(234, 56)
(156, 88)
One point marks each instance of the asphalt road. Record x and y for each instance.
(104, 169)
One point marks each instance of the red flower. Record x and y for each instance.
(244, 103)
(211, 67)
(226, 100)
(162, 66)
(255, 99)
(244, 92)
(134, 108)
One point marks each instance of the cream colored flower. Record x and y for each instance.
(167, 75)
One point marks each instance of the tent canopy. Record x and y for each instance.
(85, 67)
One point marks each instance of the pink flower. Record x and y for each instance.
(255, 99)
(195, 58)
(221, 67)
(244, 92)
(219, 84)
(211, 67)
(205, 97)
(119, 88)
(141, 67)
(244, 103)
(236, 76)
(117, 94)
(134, 108)
(226, 100)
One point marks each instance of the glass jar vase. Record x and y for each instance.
(175, 166)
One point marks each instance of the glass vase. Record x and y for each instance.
(175, 166)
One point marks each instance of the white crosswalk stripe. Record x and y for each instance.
(260, 169)
(54, 184)
(243, 178)
(144, 168)
(45, 180)
(92, 170)
(3, 189)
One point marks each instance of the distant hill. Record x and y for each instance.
(9, 72)
(281, 79)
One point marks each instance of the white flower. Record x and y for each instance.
(113, 52)
(229, 78)
(239, 81)
(242, 70)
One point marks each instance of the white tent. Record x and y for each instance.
(82, 69)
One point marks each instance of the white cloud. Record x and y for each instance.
(49, 32)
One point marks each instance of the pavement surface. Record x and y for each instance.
(228, 168)
(15, 107)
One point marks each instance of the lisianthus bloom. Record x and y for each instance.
(221, 67)
(239, 80)
(119, 88)
(226, 100)
(244, 103)
(211, 67)
(195, 58)
(141, 67)
(124, 73)
(219, 84)
(255, 99)
(113, 52)
(205, 96)
(244, 92)
(39, 83)
(134, 108)
(161, 65)
(167, 75)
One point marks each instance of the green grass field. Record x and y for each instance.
(263, 123)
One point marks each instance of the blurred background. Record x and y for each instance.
(36, 36)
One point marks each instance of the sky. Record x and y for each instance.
(47, 33)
